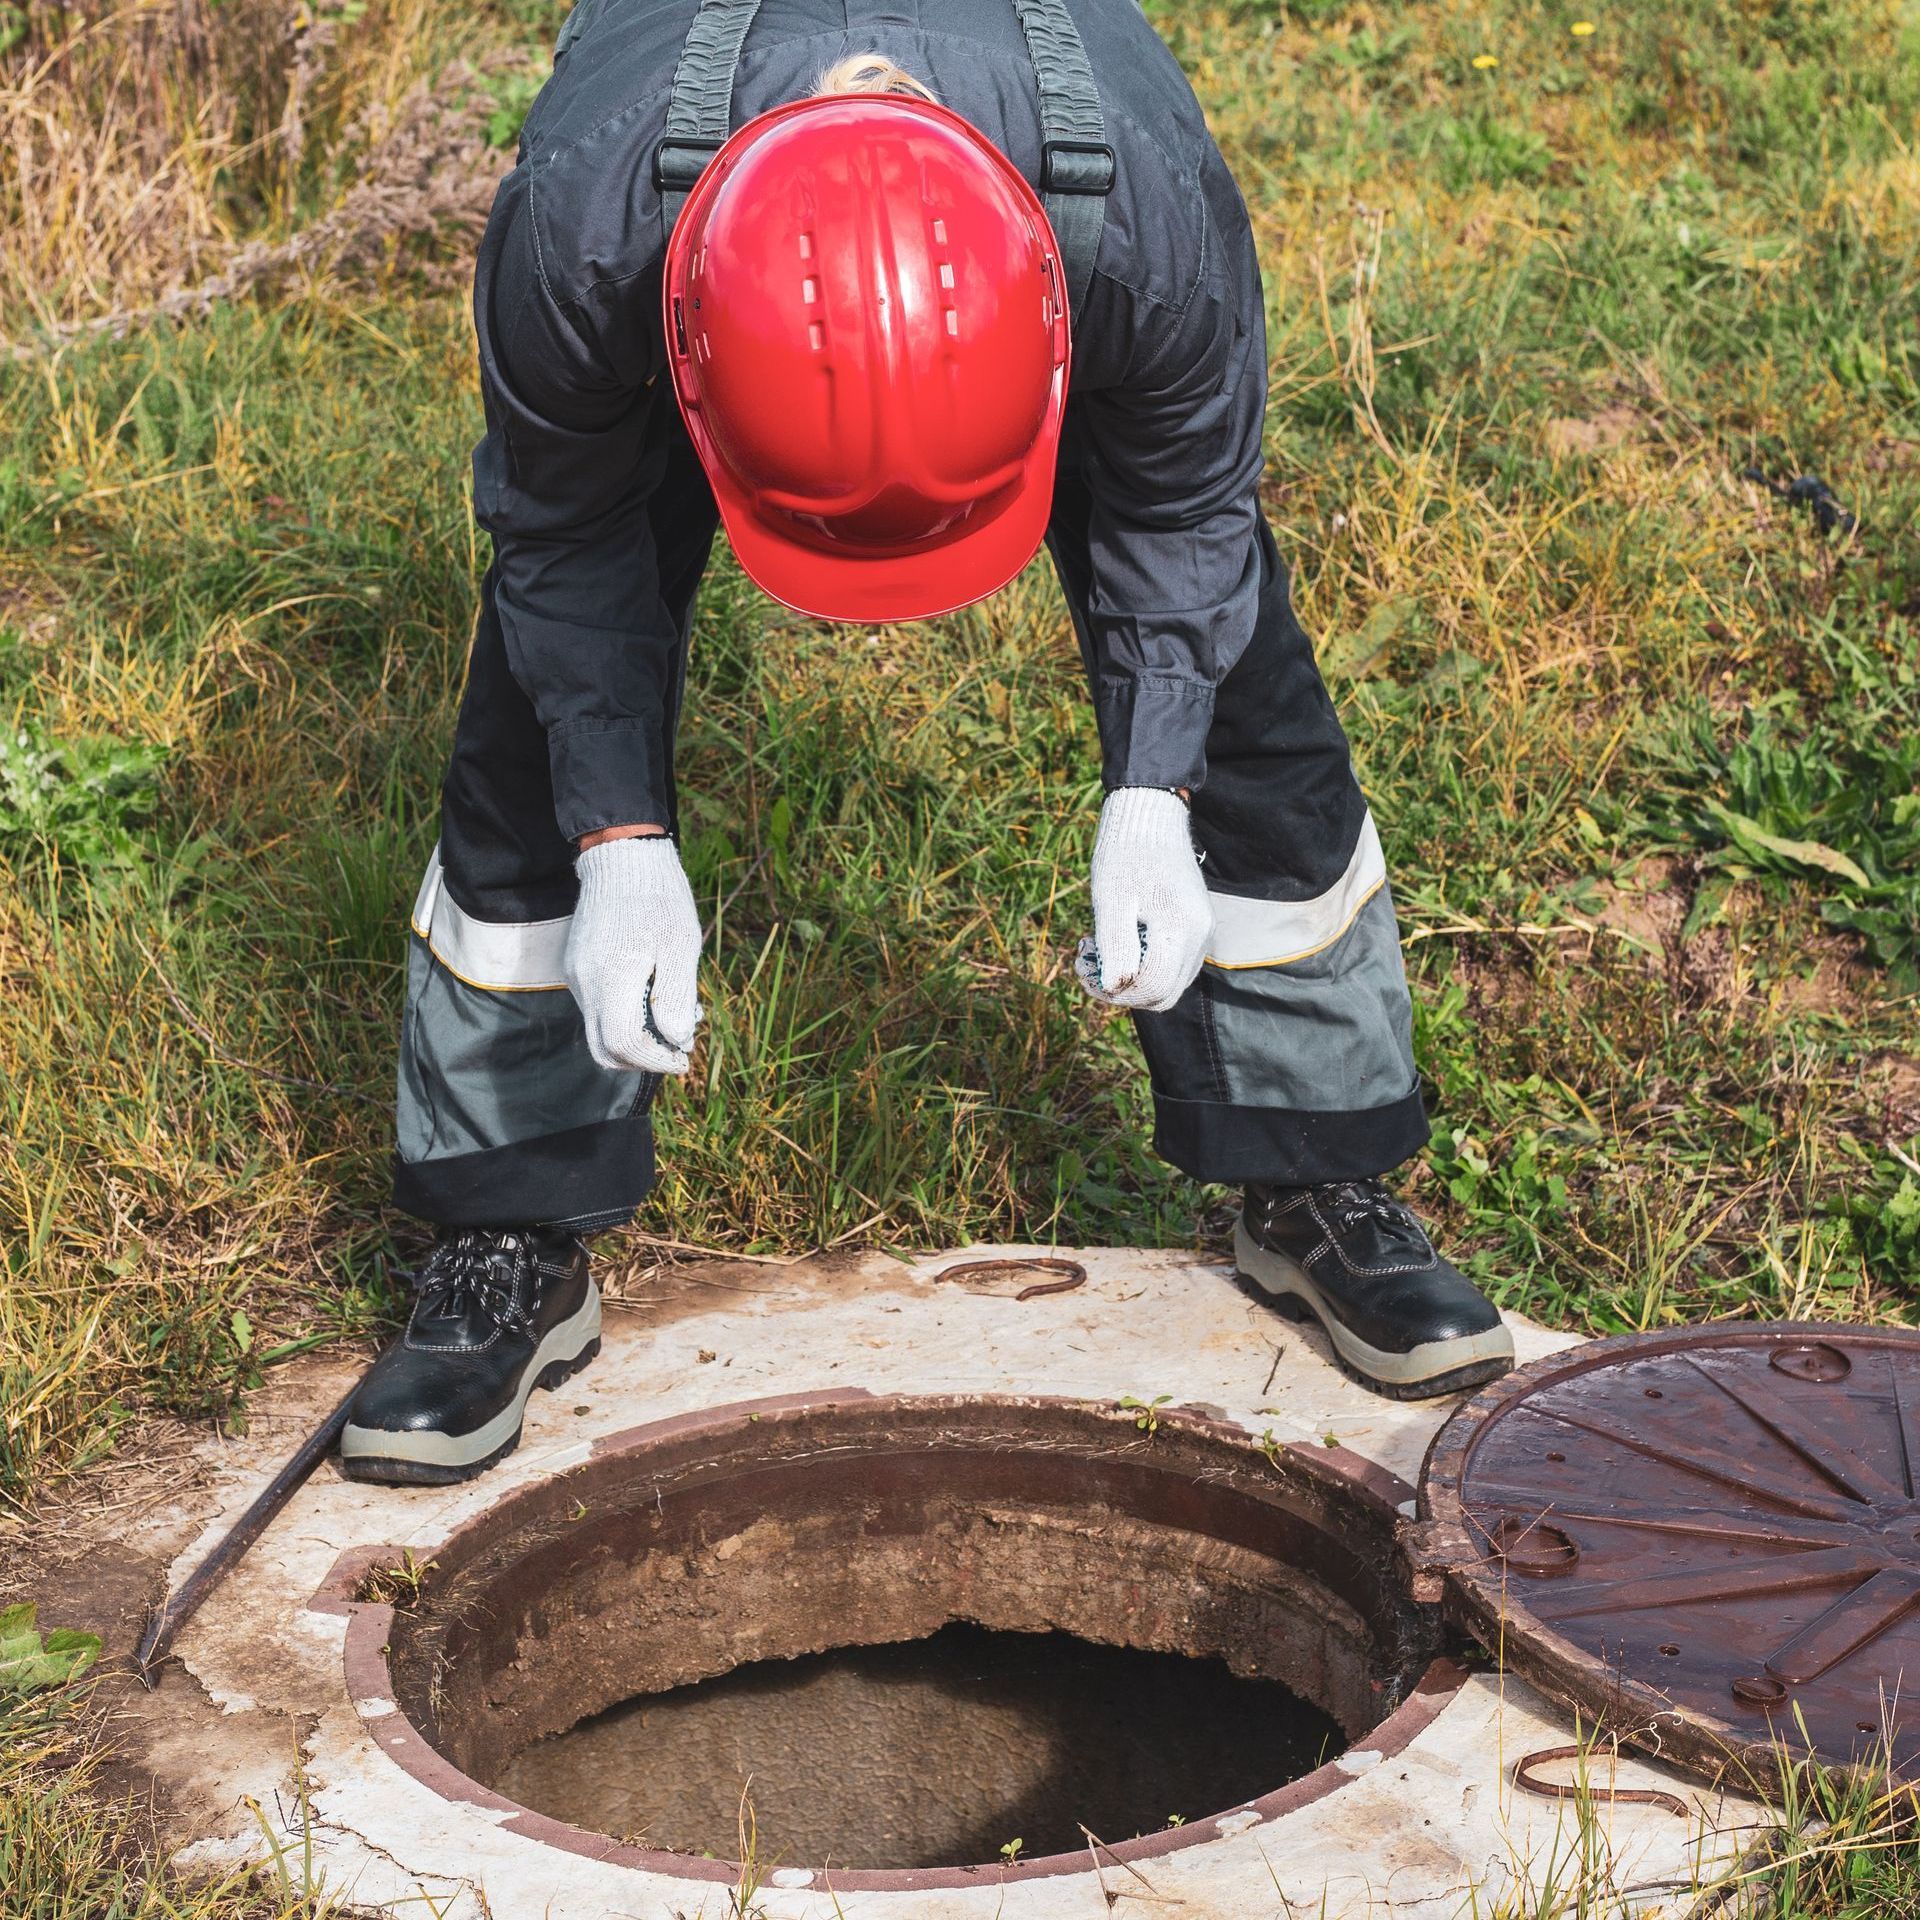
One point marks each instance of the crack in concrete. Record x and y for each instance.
(453, 1887)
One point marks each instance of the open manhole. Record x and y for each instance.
(916, 1631)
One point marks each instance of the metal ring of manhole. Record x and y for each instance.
(1706, 1540)
(699, 1544)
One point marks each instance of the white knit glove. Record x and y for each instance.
(633, 955)
(1152, 920)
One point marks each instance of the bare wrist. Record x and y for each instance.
(641, 830)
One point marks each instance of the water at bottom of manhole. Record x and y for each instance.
(934, 1752)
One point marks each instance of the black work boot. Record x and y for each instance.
(1400, 1319)
(496, 1313)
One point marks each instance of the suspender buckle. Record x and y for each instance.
(679, 162)
(1076, 166)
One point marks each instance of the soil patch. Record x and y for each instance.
(1607, 428)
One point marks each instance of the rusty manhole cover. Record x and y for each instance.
(1707, 1539)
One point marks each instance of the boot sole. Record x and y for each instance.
(1421, 1373)
(431, 1459)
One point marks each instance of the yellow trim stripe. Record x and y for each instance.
(1305, 953)
(1249, 933)
(494, 957)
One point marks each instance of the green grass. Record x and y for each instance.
(68, 1851)
(1639, 737)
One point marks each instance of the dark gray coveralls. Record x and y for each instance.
(1289, 1060)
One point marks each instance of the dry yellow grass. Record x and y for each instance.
(158, 157)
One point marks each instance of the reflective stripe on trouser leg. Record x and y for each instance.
(504, 1117)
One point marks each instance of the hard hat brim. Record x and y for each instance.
(877, 590)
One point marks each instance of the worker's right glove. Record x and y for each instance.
(633, 955)
(1152, 920)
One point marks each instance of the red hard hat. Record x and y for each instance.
(867, 325)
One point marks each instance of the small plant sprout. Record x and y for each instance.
(1010, 1850)
(1146, 1413)
(399, 1585)
(743, 1899)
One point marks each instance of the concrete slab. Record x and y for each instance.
(1434, 1830)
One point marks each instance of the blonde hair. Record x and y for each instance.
(871, 73)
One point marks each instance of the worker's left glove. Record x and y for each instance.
(633, 955)
(1152, 920)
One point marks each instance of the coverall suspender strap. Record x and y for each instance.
(1076, 161)
(700, 110)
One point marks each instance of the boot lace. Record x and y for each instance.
(1354, 1202)
(468, 1267)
